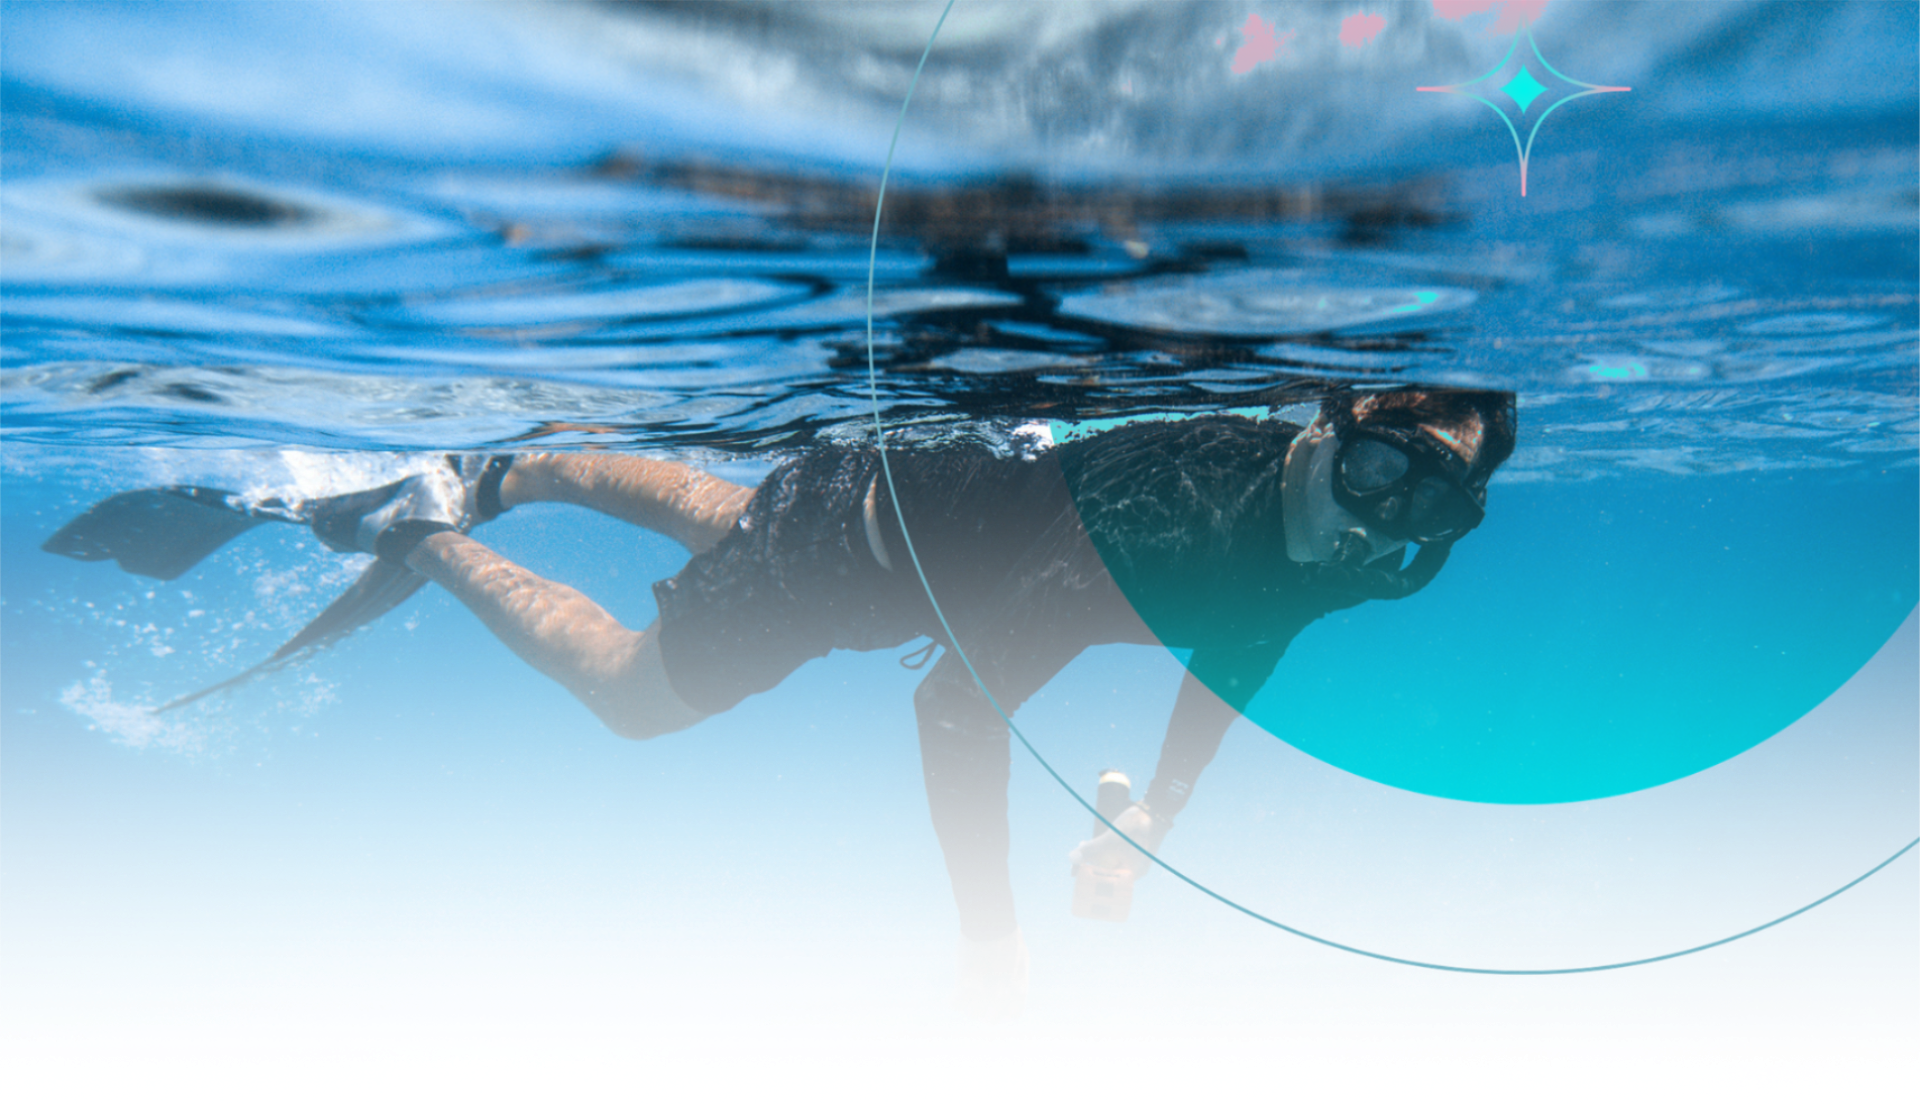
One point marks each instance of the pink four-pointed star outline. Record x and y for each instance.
(1525, 149)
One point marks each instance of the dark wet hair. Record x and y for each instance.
(1410, 406)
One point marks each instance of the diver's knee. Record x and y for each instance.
(925, 702)
(644, 718)
(621, 720)
(635, 699)
(640, 726)
(946, 706)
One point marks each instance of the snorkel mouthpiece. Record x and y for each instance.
(1353, 492)
(1354, 579)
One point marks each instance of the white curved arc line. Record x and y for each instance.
(899, 513)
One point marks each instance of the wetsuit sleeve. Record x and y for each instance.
(1216, 689)
(1200, 720)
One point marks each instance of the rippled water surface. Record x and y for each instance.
(389, 307)
(529, 228)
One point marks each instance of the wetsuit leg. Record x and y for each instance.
(966, 762)
(1055, 603)
(795, 579)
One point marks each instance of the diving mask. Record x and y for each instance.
(1365, 494)
(1406, 485)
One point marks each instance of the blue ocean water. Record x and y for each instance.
(304, 248)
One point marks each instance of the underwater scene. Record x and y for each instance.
(608, 552)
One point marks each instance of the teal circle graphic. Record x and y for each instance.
(1588, 639)
(1798, 517)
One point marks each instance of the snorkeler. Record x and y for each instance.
(1217, 533)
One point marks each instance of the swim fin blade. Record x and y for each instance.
(161, 533)
(164, 532)
(380, 588)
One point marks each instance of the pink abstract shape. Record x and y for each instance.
(1358, 30)
(1261, 45)
(1513, 13)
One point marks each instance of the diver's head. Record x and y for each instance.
(1378, 470)
(1415, 462)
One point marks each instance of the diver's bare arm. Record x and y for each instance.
(562, 633)
(686, 505)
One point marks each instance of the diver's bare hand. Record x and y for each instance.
(1110, 852)
(993, 977)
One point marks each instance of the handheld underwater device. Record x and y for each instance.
(1098, 893)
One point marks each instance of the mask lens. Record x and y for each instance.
(1440, 510)
(1369, 466)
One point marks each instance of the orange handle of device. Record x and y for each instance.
(1103, 895)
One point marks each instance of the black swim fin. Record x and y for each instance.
(378, 590)
(162, 533)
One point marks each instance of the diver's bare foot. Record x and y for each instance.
(993, 977)
(1110, 852)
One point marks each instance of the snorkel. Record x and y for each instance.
(1356, 579)
(1318, 529)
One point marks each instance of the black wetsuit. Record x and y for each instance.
(1169, 525)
